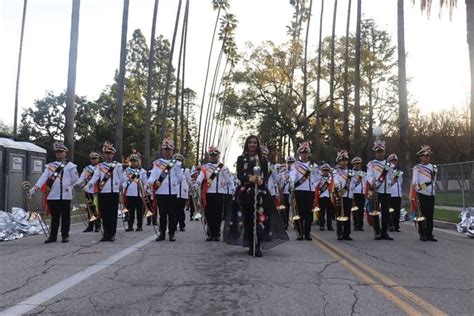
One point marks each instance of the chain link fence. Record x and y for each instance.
(455, 184)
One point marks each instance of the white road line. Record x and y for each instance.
(53, 291)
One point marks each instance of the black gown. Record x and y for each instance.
(239, 223)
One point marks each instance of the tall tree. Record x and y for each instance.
(168, 75)
(17, 87)
(332, 127)
(402, 89)
(121, 83)
(305, 64)
(151, 56)
(177, 117)
(346, 140)
(317, 138)
(451, 4)
(357, 132)
(71, 80)
(218, 5)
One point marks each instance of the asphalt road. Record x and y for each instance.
(137, 276)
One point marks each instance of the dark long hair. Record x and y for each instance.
(257, 150)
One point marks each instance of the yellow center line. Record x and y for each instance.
(325, 245)
(409, 310)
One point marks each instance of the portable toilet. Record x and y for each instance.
(13, 161)
(35, 164)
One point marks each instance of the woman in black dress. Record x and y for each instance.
(239, 228)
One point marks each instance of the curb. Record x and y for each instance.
(443, 224)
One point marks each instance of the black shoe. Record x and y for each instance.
(181, 229)
(87, 230)
(423, 238)
(340, 238)
(378, 237)
(50, 240)
(216, 239)
(347, 238)
(139, 229)
(130, 229)
(330, 229)
(258, 252)
(386, 237)
(171, 237)
(299, 238)
(160, 237)
(432, 238)
(196, 219)
(397, 230)
(97, 230)
(321, 228)
(148, 224)
(308, 238)
(209, 238)
(361, 229)
(104, 239)
(391, 229)
(65, 239)
(111, 238)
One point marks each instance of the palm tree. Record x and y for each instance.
(451, 4)
(217, 5)
(168, 75)
(346, 81)
(357, 116)
(15, 119)
(121, 82)
(332, 126)
(70, 110)
(185, 35)
(402, 89)
(149, 89)
(317, 141)
(305, 60)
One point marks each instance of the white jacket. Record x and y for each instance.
(130, 187)
(219, 183)
(298, 170)
(397, 180)
(85, 177)
(273, 180)
(183, 192)
(62, 185)
(374, 170)
(424, 178)
(169, 185)
(285, 181)
(324, 181)
(112, 185)
(341, 177)
(358, 183)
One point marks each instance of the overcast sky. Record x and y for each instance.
(437, 49)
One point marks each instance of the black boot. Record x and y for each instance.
(97, 226)
(89, 228)
(129, 229)
(160, 237)
(65, 239)
(171, 236)
(431, 238)
(50, 239)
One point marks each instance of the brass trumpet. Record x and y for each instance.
(375, 205)
(340, 205)
(32, 214)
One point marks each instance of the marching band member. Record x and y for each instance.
(56, 183)
(272, 182)
(108, 176)
(342, 184)
(325, 205)
(85, 177)
(192, 192)
(358, 193)
(304, 175)
(183, 192)
(165, 178)
(285, 185)
(379, 178)
(213, 180)
(395, 193)
(132, 191)
(424, 180)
